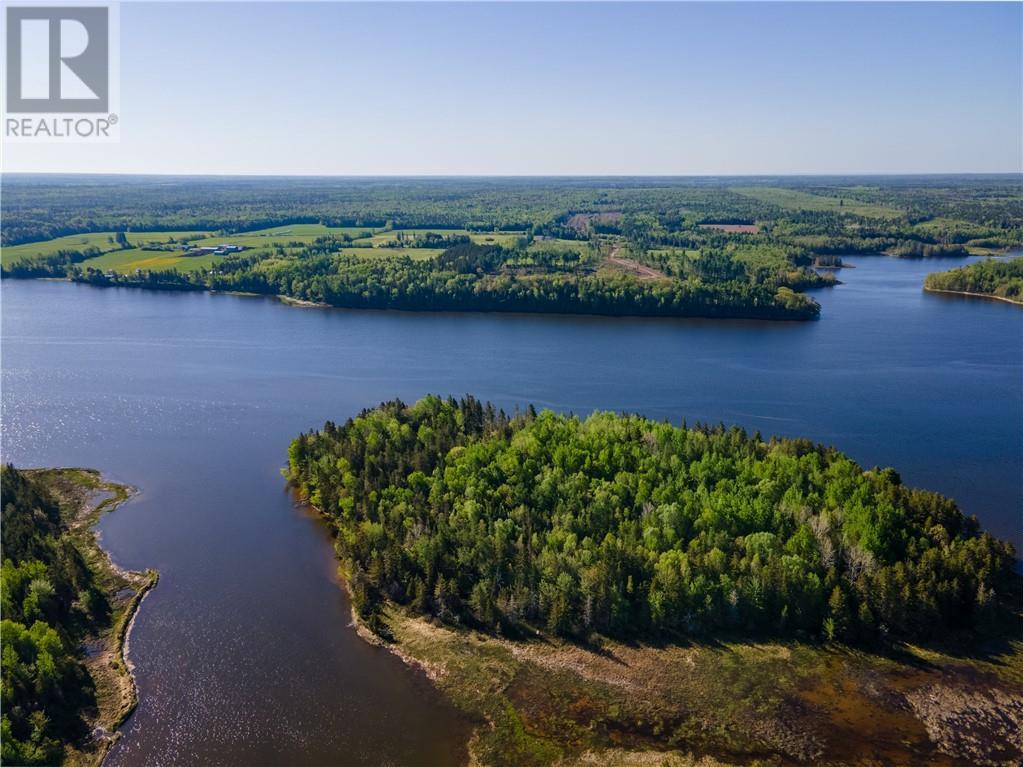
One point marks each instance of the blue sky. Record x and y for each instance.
(544, 88)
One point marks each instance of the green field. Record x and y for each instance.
(14, 253)
(126, 261)
(161, 238)
(103, 240)
(308, 230)
(296, 233)
(504, 239)
(259, 241)
(796, 200)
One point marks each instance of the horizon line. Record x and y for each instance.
(427, 176)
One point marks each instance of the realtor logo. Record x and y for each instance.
(58, 60)
(63, 72)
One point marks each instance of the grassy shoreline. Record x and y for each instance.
(972, 294)
(723, 702)
(78, 491)
(439, 505)
(536, 700)
(728, 702)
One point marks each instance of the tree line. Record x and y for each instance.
(469, 277)
(38, 208)
(49, 598)
(991, 277)
(630, 527)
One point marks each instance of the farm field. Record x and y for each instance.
(161, 238)
(127, 261)
(104, 241)
(306, 230)
(11, 254)
(256, 243)
(794, 199)
(684, 247)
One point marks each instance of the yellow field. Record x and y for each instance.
(127, 261)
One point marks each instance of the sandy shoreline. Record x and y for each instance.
(973, 295)
(109, 665)
(301, 302)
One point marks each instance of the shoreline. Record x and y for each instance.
(512, 689)
(124, 648)
(973, 295)
(553, 701)
(357, 624)
(109, 664)
(306, 304)
(303, 303)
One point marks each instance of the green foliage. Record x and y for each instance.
(991, 277)
(913, 249)
(48, 599)
(44, 687)
(626, 526)
(523, 245)
(471, 277)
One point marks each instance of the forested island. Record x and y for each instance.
(66, 610)
(991, 278)
(743, 248)
(552, 559)
(626, 526)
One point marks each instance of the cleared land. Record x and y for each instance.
(103, 241)
(546, 701)
(129, 260)
(583, 222)
(705, 234)
(733, 228)
(152, 251)
(794, 199)
(259, 243)
(633, 267)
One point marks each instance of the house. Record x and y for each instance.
(216, 250)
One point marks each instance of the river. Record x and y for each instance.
(244, 653)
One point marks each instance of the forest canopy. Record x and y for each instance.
(49, 598)
(998, 279)
(468, 277)
(625, 526)
(653, 247)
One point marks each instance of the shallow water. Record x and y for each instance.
(243, 652)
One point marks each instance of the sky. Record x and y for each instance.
(560, 89)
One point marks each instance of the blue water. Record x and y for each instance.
(243, 652)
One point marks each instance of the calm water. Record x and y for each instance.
(243, 652)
